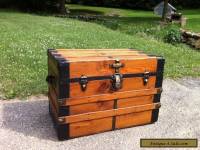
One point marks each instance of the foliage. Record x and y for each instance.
(173, 36)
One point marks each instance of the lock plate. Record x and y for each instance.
(146, 77)
(83, 82)
(117, 79)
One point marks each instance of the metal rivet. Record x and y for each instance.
(61, 119)
(158, 105)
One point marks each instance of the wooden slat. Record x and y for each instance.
(90, 127)
(90, 107)
(135, 101)
(110, 96)
(107, 113)
(133, 119)
(85, 51)
(108, 58)
(93, 57)
(107, 105)
(105, 87)
(96, 50)
(97, 53)
(102, 54)
(102, 68)
(104, 58)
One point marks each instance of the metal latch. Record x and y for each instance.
(83, 82)
(117, 81)
(117, 77)
(146, 77)
(117, 65)
(50, 79)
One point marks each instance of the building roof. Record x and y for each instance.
(158, 9)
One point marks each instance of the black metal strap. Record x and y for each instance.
(109, 77)
(114, 117)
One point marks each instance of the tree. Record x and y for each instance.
(164, 15)
(62, 8)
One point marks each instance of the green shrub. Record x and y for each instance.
(173, 36)
(114, 25)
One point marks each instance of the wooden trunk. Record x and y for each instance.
(92, 91)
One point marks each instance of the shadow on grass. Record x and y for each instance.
(114, 21)
(30, 118)
(85, 12)
(133, 20)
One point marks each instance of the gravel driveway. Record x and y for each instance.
(27, 125)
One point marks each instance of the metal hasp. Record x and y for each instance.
(117, 65)
(146, 77)
(83, 82)
(117, 78)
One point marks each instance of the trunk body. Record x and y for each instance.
(92, 91)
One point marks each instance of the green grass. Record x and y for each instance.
(193, 19)
(135, 21)
(124, 20)
(24, 39)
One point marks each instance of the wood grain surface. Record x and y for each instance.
(109, 96)
(102, 67)
(90, 127)
(97, 87)
(107, 113)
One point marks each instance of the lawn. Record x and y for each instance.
(135, 21)
(24, 39)
(124, 20)
(193, 19)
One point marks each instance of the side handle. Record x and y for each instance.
(50, 79)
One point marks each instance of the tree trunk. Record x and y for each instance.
(62, 8)
(164, 15)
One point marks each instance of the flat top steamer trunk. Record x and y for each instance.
(92, 91)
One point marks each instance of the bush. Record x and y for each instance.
(173, 36)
